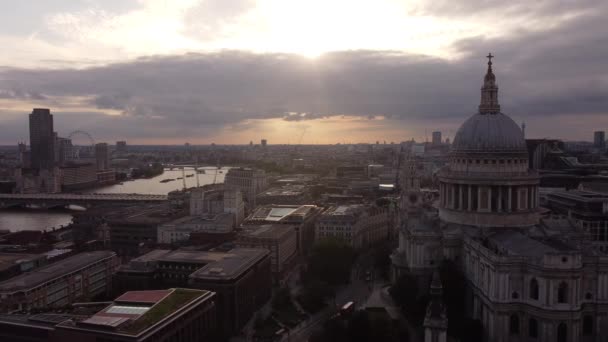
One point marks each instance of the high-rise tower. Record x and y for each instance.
(42, 139)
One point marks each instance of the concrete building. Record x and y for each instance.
(182, 228)
(279, 239)
(76, 278)
(528, 279)
(301, 217)
(131, 228)
(138, 316)
(359, 225)
(588, 210)
(242, 280)
(42, 139)
(216, 199)
(102, 156)
(77, 176)
(249, 181)
(63, 150)
(241, 277)
(599, 140)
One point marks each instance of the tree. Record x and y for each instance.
(313, 296)
(406, 294)
(331, 261)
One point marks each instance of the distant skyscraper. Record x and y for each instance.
(102, 156)
(42, 139)
(599, 139)
(436, 138)
(63, 150)
(264, 142)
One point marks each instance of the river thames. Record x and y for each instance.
(34, 219)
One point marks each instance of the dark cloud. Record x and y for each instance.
(500, 8)
(547, 73)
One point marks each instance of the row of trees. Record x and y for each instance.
(328, 266)
(363, 326)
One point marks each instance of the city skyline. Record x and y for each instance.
(108, 68)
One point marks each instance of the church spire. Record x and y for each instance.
(489, 92)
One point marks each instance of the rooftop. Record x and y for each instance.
(9, 259)
(135, 312)
(344, 210)
(214, 264)
(515, 243)
(152, 214)
(267, 231)
(288, 190)
(222, 218)
(230, 264)
(281, 213)
(52, 271)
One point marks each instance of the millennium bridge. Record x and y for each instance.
(84, 200)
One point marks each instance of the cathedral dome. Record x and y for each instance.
(489, 133)
(489, 130)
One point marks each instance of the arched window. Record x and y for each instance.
(588, 296)
(514, 295)
(534, 288)
(562, 332)
(533, 328)
(562, 293)
(514, 325)
(587, 325)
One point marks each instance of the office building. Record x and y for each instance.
(241, 277)
(132, 228)
(213, 199)
(436, 138)
(301, 217)
(77, 176)
(587, 209)
(249, 181)
(42, 139)
(359, 225)
(279, 239)
(242, 280)
(76, 278)
(63, 150)
(102, 156)
(216, 227)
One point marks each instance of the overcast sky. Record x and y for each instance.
(290, 71)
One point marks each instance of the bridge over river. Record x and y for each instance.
(83, 200)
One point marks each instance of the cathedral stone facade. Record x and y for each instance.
(530, 278)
